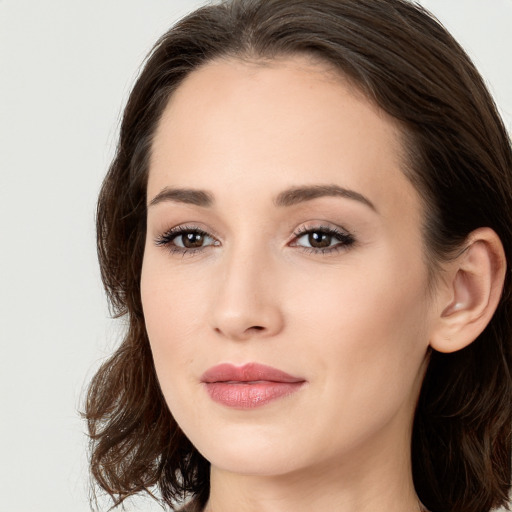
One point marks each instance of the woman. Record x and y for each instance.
(308, 223)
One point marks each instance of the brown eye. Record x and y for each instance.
(323, 239)
(191, 240)
(319, 240)
(183, 239)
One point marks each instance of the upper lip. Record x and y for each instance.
(249, 372)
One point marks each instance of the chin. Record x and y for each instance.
(254, 462)
(248, 450)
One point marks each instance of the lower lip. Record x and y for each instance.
(248, 395)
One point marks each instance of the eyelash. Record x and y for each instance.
(344, 238)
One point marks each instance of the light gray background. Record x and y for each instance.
(66, 67)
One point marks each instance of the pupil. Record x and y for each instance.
(319, 240)
(192, 240)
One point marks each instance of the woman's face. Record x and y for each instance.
(282, 232)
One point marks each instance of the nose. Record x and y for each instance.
(247, 305)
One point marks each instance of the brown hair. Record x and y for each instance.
(460, 160)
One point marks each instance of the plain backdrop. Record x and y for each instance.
(66, 67)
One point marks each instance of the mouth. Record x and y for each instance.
(248, 386)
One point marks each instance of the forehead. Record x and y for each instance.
(265, 126)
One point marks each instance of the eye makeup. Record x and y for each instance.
(320, 239)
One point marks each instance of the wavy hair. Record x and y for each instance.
(460, 161)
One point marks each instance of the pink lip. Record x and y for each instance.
(248, 386)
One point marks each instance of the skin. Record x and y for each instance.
(355, 323)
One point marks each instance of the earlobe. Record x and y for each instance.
(471, 292)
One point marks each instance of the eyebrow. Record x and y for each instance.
(184, 195)
(297, 195)
(289, 197)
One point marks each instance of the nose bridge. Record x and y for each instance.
(246, 304)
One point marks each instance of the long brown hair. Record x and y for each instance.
(460, 160)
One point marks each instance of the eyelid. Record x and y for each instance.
(345, 238)
(320, 225)
(166, 238)
(185, 228)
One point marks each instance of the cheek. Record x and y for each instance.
(172, 301)
(366, 320)
(365, 340)
(172, 315)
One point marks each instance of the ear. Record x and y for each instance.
(470, 292)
